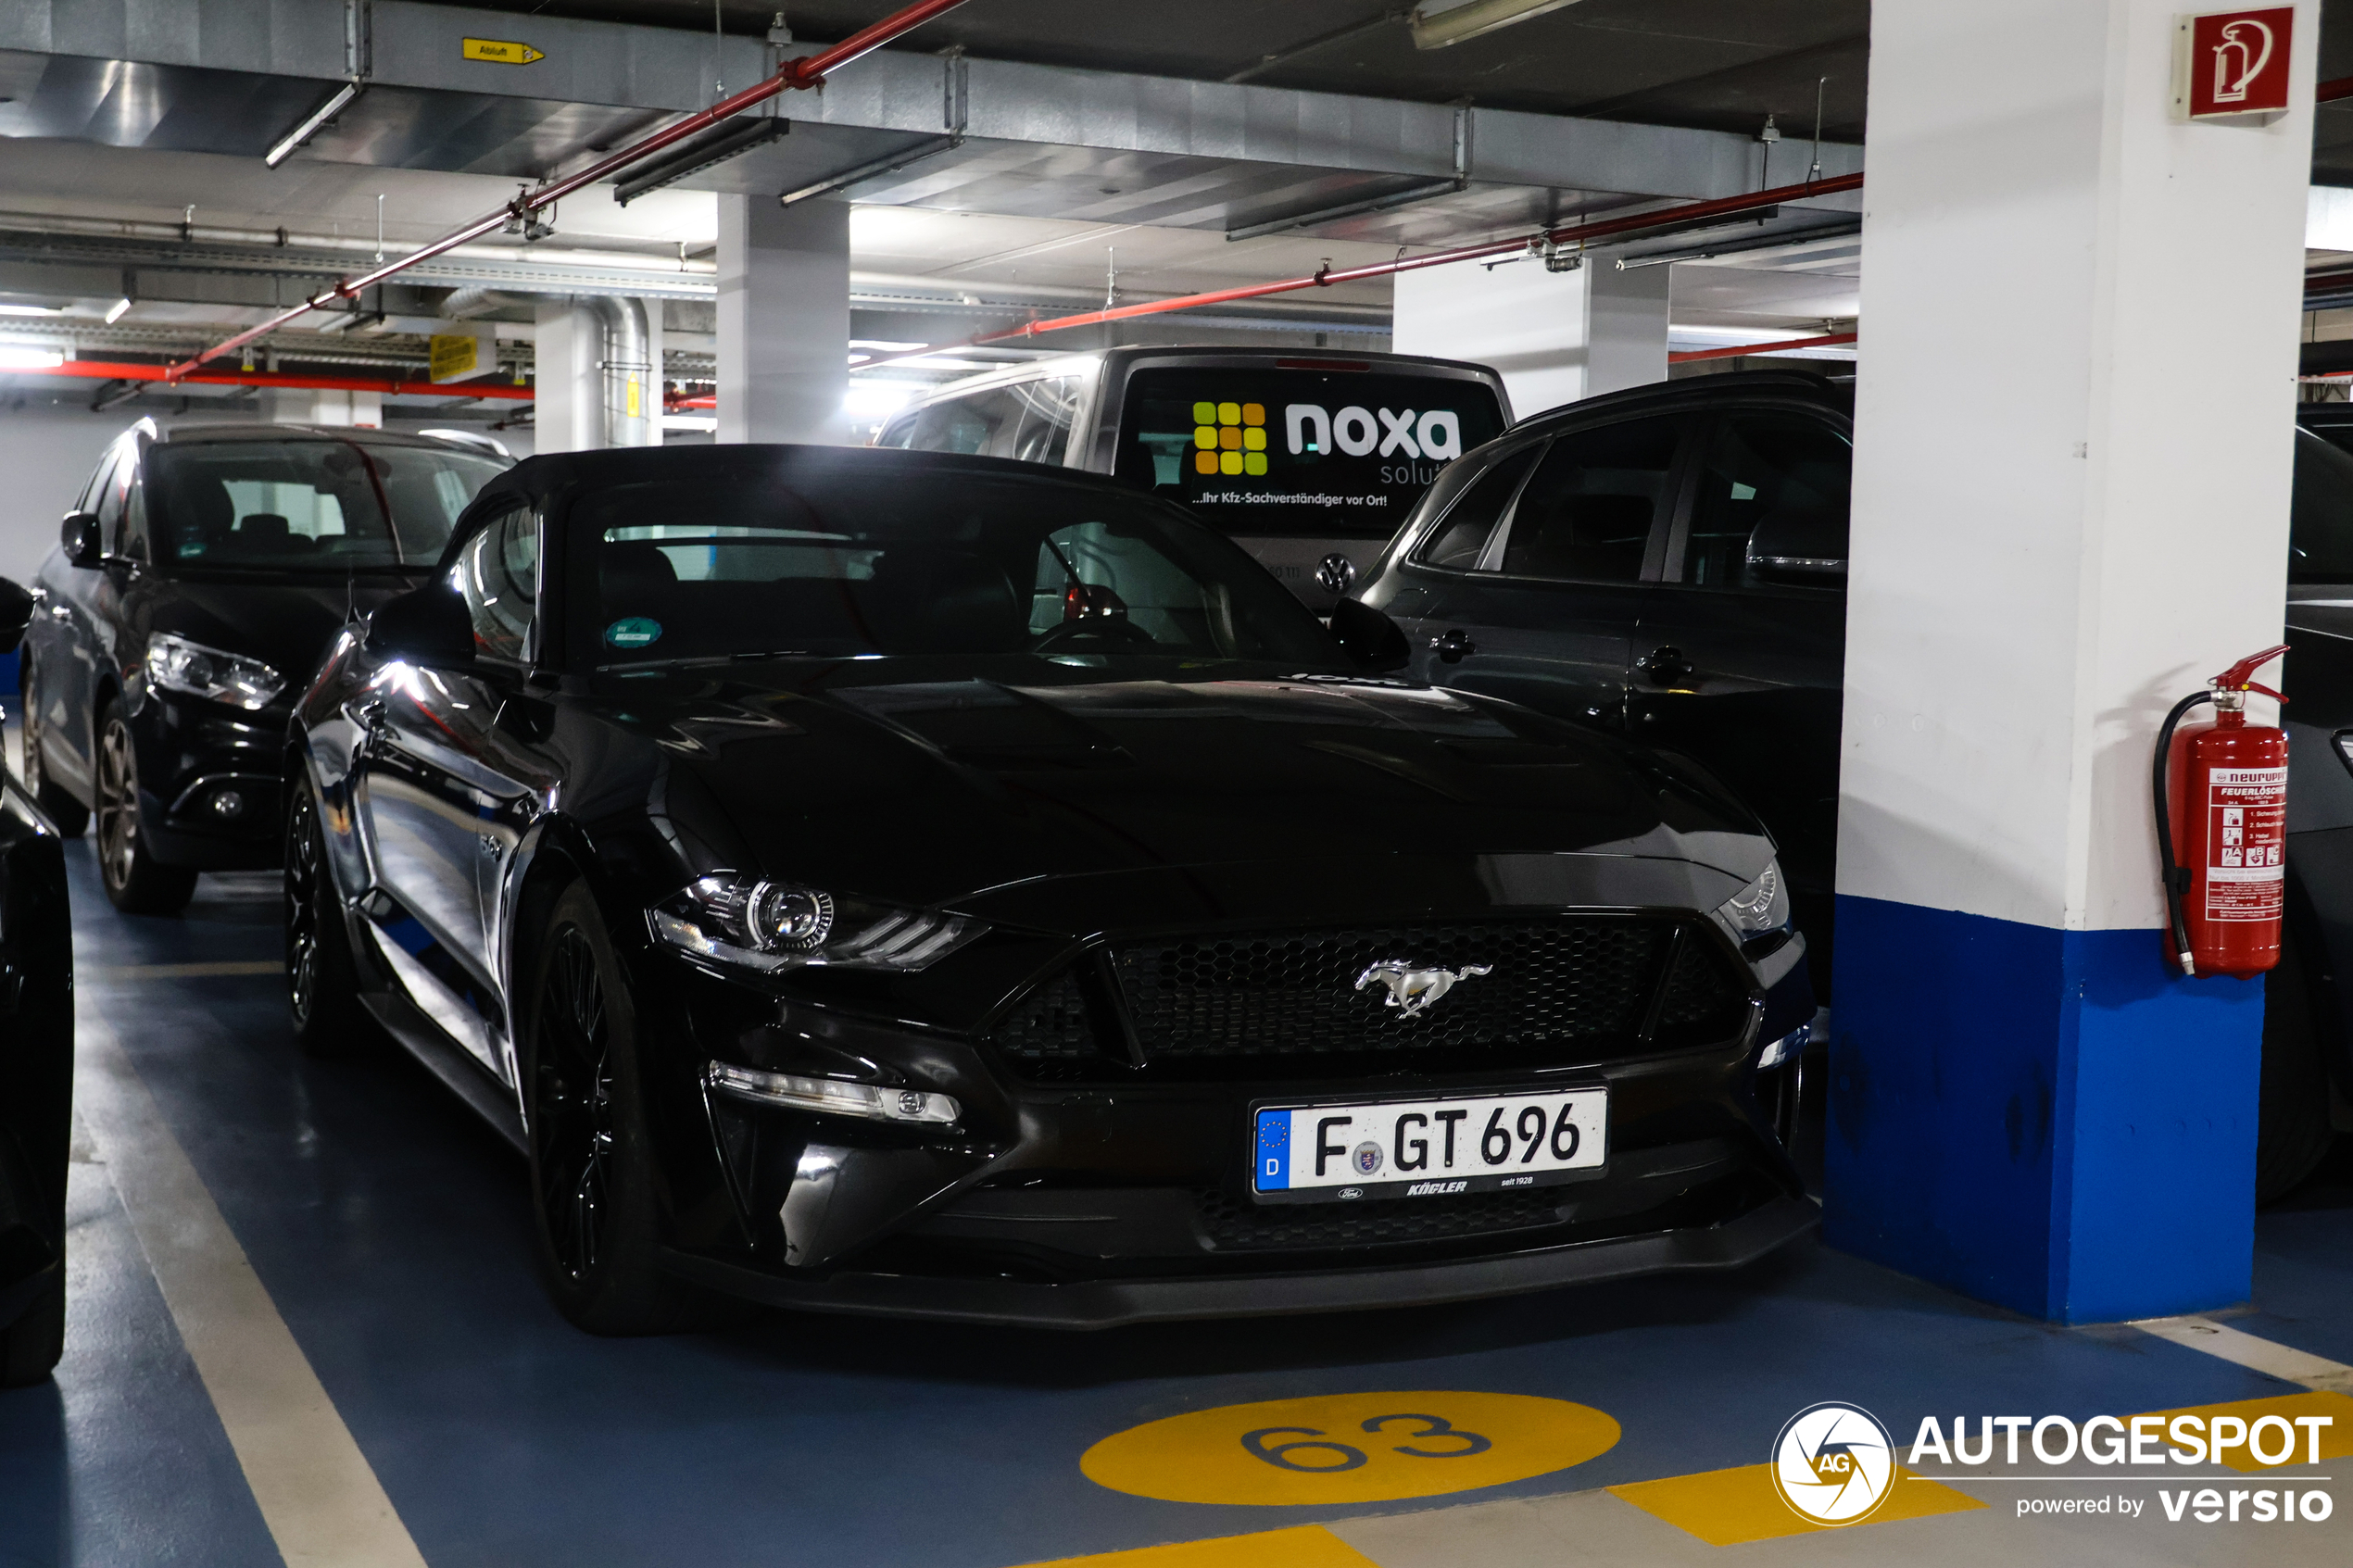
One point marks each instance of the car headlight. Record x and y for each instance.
(1759, 908)
(178, 665)
(768, 926)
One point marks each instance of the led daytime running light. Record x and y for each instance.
(872, 1102)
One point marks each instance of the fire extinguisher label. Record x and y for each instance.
(2246, 843)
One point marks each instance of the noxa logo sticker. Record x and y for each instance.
(1833, 1463)
(1437, 435)
(633, 631)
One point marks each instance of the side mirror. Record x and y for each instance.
(84, 546)
(427, 625)
(1372, 639)
(16, 614)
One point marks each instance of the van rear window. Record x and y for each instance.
(1298, 452)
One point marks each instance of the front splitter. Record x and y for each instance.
(1112, 1303)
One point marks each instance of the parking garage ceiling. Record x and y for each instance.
(1714, 65)
(1717, 65)
(1108, 152)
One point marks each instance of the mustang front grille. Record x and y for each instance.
(1327, 1003)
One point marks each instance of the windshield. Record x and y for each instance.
(857, 562)
(307, 504)
(1303, 453)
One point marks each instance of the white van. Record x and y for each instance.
(1309, 460)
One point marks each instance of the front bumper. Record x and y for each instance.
(1112, 1303)
(1098, 1203)
(196, 756)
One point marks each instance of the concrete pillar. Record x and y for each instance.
(1556, 336)
(2025, 1103)
(568, 412)
(784, 320)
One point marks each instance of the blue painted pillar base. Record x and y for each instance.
(2045, 1119)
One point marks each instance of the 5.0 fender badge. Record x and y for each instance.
(1412, 990)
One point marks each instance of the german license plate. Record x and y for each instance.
(1428, 1148)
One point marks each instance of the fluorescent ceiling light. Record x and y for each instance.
(31, 309)
(1436, 25)
(16, 357)
(885, 345)
(310, 125)
(115, 311)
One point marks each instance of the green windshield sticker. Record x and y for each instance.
(633, 631)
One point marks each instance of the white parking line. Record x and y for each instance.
(2259, 1355)
(182, 970)
(317, 1493)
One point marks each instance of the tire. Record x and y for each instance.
(71, 817)
(2292, 1119)
(592, 1170)
(30, 1346)
(323, 983)
(135, 881)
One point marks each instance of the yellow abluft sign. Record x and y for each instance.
(457, 356)
(499, 51)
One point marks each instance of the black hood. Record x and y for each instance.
(868, 777)
(285, 621)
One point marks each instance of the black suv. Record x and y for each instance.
(200, 579)
(1669, 562)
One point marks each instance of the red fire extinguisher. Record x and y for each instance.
(2221, 828)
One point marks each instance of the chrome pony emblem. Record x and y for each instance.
(1412, 990)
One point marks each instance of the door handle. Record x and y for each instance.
(1664, 665)
(1452, 646)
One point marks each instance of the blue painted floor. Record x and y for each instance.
(390, 1229)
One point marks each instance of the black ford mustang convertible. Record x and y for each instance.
(906, 883)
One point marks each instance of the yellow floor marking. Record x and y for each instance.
(2336, 1438)
(1335, 1449)
(1730, 1507)
(1308, 1546)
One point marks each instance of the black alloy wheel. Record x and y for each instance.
(71, 817)
(137, 881)
(592, 1172)
(321, 980)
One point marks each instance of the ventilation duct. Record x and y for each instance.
(631, 396)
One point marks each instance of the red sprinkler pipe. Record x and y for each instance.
(1725, 206)
(808, 72)
(1777, 346)
(109, 370)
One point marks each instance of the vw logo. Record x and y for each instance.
(1336, 573)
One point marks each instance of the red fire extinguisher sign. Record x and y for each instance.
(2246, 839)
